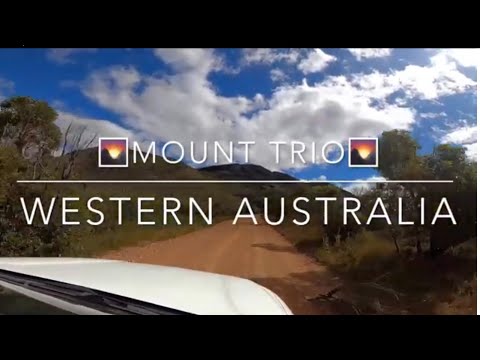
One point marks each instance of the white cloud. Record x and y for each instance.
(278, 75)
(64, 56)
(93, 127)
(361, 54)
(187, 107)
(6, 87)
(433, 115)
(464, 57)
(320, 178)
(316, 61)
(441, 78)
(466, 136)
(463, 135)
(471, 151)
(201, 61)
(269, 56)
(358, 187)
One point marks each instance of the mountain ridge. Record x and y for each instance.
(245, 172)
(87, 168)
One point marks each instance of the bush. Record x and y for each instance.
(363, 255)
(33, 241)
(15, 244)
(419, 284)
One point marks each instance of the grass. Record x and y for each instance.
(378, 280)
(361, 257)
(130, 234)
(304, 237)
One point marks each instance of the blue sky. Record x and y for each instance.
(255, 94)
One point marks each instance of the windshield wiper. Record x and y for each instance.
(79, 295)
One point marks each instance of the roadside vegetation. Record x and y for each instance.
(410, 269)
(32, 147)
(378, 280)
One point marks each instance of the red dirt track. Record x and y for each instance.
(256, 252)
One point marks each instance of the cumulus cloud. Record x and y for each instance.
(65, 56)
(462, 135)
(269, 56)
(361, 54)
(186, 106)
(440, 78)
(463, 57)
(466, 136)
(316, 61)
(278, 75)
(471, 151)
(92, 128)
(201, 61)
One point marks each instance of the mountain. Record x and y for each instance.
(245, 172)
(86, 167)
(225, 196)
(257, 172)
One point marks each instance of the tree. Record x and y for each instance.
(398, 156)
(28, 138)
(28, 124)
(73, 141)
(449, 162)
(12, 167)
(398, 159)
(389, 193)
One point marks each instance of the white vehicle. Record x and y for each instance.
(94, 286)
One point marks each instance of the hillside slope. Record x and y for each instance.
(244, 172)
(226, 197)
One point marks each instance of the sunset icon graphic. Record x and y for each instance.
(113, 152)
(363, 152)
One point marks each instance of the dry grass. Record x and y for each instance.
(378, 280)
(128, 235)
(306, 237)
(463, 301)
(362, 256)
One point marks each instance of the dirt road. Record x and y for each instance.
(256, 252)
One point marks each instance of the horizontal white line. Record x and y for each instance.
(232, 181)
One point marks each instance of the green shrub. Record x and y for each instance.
(365, 253)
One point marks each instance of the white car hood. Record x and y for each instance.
(187, 290)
